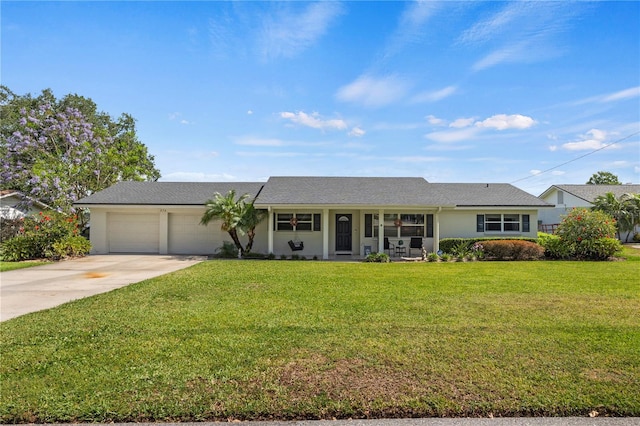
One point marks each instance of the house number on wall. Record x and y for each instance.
(163, 210)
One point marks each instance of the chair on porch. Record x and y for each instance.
(296, 245)
(416, 243)
(388, 246)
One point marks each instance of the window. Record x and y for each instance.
(368, 225)
(403, 225)
(302, 221)
(511, 222)
(560, 197)
(502, 223)
(493, 222)
(412, 225)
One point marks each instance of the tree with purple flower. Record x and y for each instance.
(61, 151)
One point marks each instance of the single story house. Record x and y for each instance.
(318, 216)
(14, 205)
(564, 198)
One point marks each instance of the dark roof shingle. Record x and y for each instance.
(167, 193)
(591, 192)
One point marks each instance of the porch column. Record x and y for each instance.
(381, 231)
(436, 231)
(325, 234)
(270, 232)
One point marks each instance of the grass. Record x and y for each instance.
(315, 340)
(10, 266)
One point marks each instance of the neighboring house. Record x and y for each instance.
(14, 205)
(567, 197)
(332, 216)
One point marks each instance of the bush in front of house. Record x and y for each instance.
(378, 257)
(49, 235)
(512, 250)
(449, 245)
(589, 234)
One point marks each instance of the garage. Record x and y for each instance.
(187, 236)
(133, 233)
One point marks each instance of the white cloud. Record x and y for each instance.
(177, 116)
(250, 141)
(435, 120)
(411, 26)
(524, 32)
(535, 171)
(250, 112)
(290, 32)
(593, 139)
(373, 92)
(435, 96)
(632, 92)
(462, 122)
(313, 120)
(449, 136)
(553, 148)
(503, 122)
(357, 132)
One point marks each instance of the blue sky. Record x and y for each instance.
(450, 91)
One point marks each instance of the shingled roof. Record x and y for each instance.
(488, 195)
(321, 191)
(167, 193)
(353, 191)
(590, 192)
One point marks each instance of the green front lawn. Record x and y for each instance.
(289, 340)
(10, 266)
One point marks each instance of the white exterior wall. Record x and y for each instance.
(554, 215)
(462, 224)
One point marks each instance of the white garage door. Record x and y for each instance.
(187, 236)
(133, 233)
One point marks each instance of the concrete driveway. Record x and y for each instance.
(41, 287)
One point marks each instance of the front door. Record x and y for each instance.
(343, 232)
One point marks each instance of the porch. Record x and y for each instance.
(351, 234)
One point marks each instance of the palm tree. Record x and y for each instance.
(625, 210)
(237, 217)
(251, 217)
(229, 211)
(631, 204)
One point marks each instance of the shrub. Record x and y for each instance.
(228, 250)
(589, 234)
(283, 257)
(252, 255)
(446, 257)
(378, 257)
(598, 249)
(70, 246)
(447, 245)
(10, 228)
(49, 235)
(555, 248)
(636, 237)
(271, 256)
(433, 257)
(461, 249)
(513, 250)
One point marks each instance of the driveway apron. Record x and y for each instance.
(41, 287)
